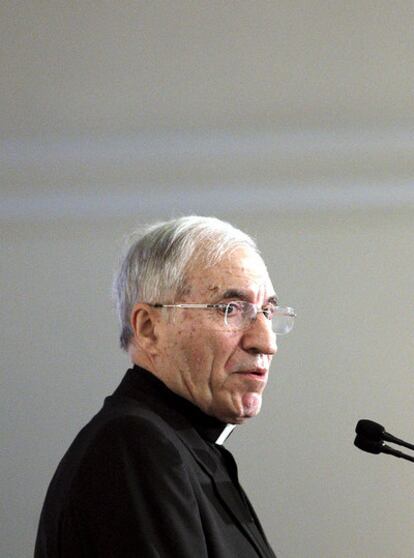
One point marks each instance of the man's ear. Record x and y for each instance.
(143, 322)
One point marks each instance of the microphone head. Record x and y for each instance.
(370, 430)
(368, 445)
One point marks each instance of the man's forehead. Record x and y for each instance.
(232, 270)
(238, 262)
(240, 277)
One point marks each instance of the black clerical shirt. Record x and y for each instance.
(147, 478)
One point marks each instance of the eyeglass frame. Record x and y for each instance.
(287, 310)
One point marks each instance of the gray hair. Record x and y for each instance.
(157, 258)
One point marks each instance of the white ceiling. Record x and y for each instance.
(146, 94)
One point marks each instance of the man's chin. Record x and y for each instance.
(238, 409)
(251, 403)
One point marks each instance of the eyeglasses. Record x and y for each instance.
(239, 315)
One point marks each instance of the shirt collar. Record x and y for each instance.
(228, 429)
(210, 428)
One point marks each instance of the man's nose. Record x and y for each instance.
(260, 337)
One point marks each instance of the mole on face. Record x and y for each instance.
(212, 288)
(185, 291)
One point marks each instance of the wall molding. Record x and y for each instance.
(307, 154)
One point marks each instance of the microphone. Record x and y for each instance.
(378, 446)
(375, 432)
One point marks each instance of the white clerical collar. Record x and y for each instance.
(228, 429)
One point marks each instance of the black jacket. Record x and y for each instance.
(145, 479)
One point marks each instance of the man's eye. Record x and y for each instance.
(221, 308)
(232, 308)
(269, 311)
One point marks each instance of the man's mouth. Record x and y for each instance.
(256, 373)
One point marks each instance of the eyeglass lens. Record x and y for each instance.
(239, 315)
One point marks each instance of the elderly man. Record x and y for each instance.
(149, 476)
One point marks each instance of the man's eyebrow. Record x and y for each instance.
(236, 293)
(239, 294)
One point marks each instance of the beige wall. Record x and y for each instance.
(297, 116)
(349, 274)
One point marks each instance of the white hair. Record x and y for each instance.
(157, 258)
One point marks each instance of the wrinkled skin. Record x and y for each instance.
(221, 371)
